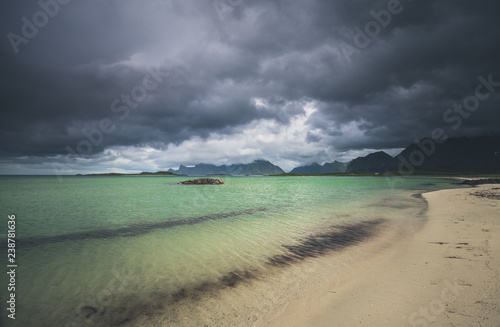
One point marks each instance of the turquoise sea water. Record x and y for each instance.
(105, 251)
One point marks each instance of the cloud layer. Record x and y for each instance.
(135, 85)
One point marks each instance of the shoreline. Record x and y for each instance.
(446, 274)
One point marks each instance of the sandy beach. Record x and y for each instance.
(446, 274)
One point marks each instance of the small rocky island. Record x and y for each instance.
(203, 181)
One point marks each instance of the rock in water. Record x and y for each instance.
(475, 182)
(203, 181)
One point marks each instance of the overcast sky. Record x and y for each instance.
(129, 85)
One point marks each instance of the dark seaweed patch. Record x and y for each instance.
(492, 195)
(88, 311)
(319, 244)
(132, 230)
(124, 321)
(179, 295)
(235, 277)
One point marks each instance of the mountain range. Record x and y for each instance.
(328, 168)
(477, 155)
(480, 154)
(258, 167)
(377, 162)
(455, 154)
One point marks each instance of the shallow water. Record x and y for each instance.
(104, 251)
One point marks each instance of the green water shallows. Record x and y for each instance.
(112, 243)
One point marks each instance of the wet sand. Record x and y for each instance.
(446, 274)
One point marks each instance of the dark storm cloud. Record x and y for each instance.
(425, 61)
(214, 65)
